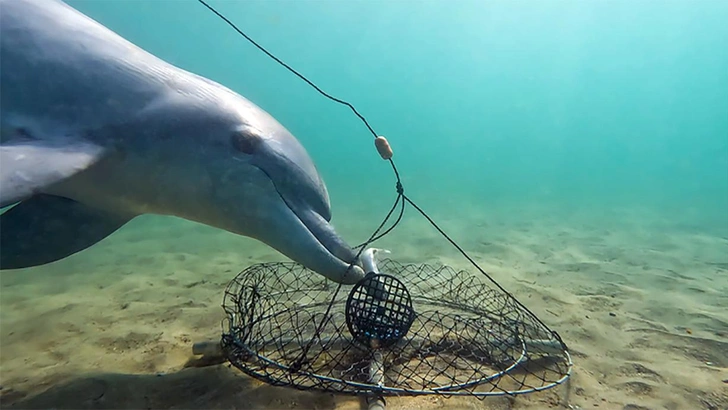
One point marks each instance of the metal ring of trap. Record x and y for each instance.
(466, 338)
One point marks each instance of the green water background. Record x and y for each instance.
(574, 105)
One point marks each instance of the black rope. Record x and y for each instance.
(289, 68)
(400, 197)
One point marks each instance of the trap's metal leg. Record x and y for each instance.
(376, 403)
(211, 348)
(376, 375)
(207, 353)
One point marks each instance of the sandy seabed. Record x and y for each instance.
(641, 301)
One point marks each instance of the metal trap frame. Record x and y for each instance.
(466, 336)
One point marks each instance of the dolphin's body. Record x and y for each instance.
(96, 131)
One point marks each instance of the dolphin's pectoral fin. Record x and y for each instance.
(26, 167)
(48, 228)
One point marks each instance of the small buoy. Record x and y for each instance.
(385, 151)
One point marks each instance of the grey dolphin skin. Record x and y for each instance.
(96, 131)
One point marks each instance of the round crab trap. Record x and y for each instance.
(405, 330)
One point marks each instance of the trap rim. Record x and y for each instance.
(359, 388)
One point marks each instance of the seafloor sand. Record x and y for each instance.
(641, 301)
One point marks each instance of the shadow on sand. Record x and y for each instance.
(191, 388)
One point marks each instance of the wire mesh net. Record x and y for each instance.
(444, 332)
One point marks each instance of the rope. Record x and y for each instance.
(400, 197)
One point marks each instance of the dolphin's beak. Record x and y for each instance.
(304, 232)
(329, 254)
(298, 232)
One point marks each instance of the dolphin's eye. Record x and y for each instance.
(245, 142)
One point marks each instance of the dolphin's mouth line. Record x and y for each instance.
(333, 246)
(335, 249)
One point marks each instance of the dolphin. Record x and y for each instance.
(96, 131)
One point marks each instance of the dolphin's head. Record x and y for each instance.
(264, 185)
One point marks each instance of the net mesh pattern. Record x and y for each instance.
(464, 336)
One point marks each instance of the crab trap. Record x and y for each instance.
(404, 329)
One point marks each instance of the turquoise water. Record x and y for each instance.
(572, 103)
(579, 150)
